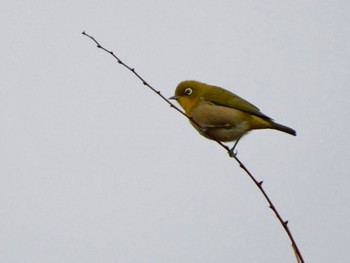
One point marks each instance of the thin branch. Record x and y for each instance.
(259, 184)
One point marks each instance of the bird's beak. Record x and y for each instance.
(174, 98)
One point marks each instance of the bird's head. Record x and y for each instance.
(188, 93)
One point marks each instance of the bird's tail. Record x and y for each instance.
(283, 128)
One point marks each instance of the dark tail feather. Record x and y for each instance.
(283, 128)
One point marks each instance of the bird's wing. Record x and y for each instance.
(220, 97)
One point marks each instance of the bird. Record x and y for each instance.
(221, 115)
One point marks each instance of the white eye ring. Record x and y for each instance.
(188, 91)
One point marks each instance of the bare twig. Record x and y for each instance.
(284, 223)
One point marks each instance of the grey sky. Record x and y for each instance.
(96, 168)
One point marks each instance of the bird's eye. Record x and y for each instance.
(188, 91)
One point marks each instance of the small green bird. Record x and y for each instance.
(222, 115)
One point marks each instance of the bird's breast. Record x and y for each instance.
(219, 122)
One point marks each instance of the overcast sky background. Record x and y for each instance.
(96, 168)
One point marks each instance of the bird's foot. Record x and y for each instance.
(232, 153)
